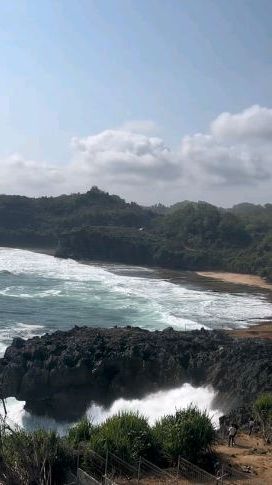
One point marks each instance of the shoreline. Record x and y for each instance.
(50, 251)
(223, 276)
(237, 278)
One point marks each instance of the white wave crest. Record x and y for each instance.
(153, 407)
(148, 302)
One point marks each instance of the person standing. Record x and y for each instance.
(232, 433)
(251, 426)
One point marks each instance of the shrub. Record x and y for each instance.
(263, 411)
(187, 433)
(33, 458)
(81, 432)
(126, 434)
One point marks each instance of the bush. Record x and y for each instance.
(33, 458)
(127, 435)
(187, 433)
(263, 411)
(81, 432)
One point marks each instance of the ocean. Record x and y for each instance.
(40, 293)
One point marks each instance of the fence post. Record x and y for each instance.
(178, 468)
(106, 463)
(139, 471)
(77, 467)
(222, 475)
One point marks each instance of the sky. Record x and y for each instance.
(155, 100)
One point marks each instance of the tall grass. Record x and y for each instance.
(263, 412)
(26, 458)
(81, 432)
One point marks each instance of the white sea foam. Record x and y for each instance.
(17, 292)
(161, 403)
(147, 302)
(23, 330)
(153, 406)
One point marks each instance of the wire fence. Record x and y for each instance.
(114, 470)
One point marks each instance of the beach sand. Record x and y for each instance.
(237, 278)
(260, 330)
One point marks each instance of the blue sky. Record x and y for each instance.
(71, 70)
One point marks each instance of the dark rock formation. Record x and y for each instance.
(60, 374)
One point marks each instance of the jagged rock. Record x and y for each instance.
(61, 373)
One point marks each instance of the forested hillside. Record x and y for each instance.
(188, 235)
(39, 222)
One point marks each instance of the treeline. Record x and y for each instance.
(97, 225)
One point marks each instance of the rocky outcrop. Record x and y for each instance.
(59, 374)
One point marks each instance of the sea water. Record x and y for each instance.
(40, 293)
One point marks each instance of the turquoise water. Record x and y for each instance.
(39, 293)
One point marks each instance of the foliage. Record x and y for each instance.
(263, 411)
(127, 435)
(34, 458)
(186, 236)
(42, 457)
(81, 432)
(187, 433)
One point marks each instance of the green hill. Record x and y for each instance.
(97, 225)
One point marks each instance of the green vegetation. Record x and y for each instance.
(37, 458)
(263, 411)
(81, 432)
(127, 435)
(188, 433)
(187, 236)
(42, 457)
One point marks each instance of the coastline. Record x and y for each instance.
(224, 276)
(50, 251)
(237, 278)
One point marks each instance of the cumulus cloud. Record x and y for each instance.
(211, 162)
(28, 177)
(234, 152)
(123, 155)
(254, 124)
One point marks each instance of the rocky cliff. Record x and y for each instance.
(61, 373)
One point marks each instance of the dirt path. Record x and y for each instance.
(249, 451)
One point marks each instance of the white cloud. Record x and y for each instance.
(121, 155)
(28, 177)
(211, 162)
(236, 150)
(254, 124)
(234, 155)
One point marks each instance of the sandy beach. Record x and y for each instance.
(236, 278)
(261, 330)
